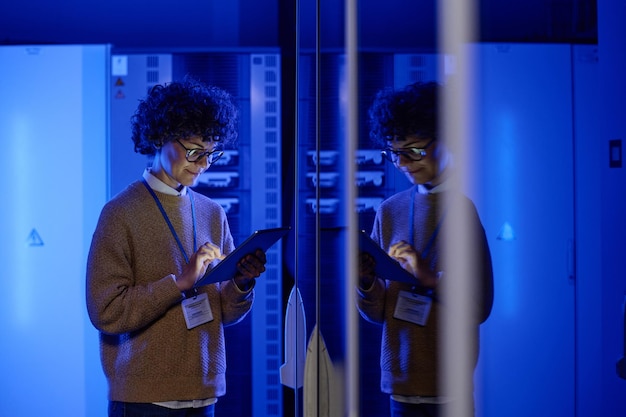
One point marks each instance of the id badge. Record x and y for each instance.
(197, 310)
(413, 308)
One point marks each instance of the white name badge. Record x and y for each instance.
(197, 310)
(413, 308)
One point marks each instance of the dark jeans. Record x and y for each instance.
(120, 409)
(399, 409)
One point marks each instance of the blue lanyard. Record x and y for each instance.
(169, 223)
(431, 241)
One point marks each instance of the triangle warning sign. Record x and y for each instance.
(34, 239)
(506, 232)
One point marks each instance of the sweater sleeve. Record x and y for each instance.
(484, 276)
(115, 303)
(481, 274)
(371, 301)
(235, 303)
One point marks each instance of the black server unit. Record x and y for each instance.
(245, 181)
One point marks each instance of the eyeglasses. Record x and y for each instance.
(194, 155)
(411, 153)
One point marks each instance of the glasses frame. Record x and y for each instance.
(411, 153)
(212, 156)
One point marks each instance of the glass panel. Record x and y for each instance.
(321, 206)
(493, 93)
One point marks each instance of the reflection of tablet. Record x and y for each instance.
(386, 266)
(227, 267)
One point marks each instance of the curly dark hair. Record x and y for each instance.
(181, 109)
(410, 111)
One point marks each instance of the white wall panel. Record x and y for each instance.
(524, 192)
(53, 128)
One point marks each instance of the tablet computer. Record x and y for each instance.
(227, 268)
(386, 266)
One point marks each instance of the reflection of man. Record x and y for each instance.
(410, 226)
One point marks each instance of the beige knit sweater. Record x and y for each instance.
(147, 352)
(410, 354)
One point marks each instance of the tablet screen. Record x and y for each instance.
(386, 266)
(227, 268)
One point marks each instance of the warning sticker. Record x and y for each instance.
(34, 239)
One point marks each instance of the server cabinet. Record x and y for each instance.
(53, 115)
